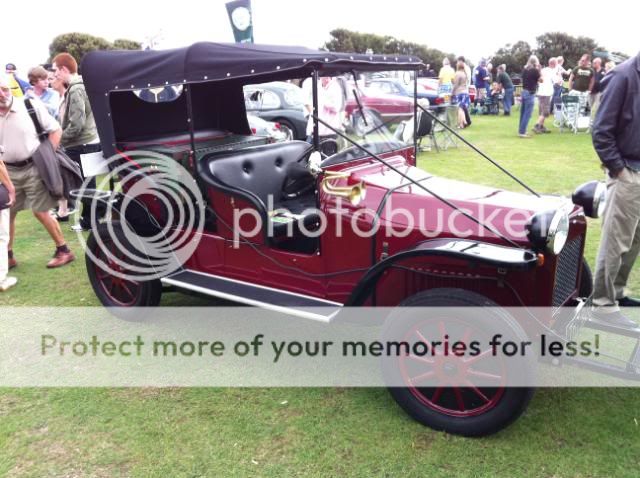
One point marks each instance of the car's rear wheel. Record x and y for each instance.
(113, 282)
(459, 405)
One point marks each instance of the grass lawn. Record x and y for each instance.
(314, 432)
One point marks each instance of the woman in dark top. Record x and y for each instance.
(530, 79)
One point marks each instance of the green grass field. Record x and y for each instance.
(313, 432)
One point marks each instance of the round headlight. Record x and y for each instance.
(592, 197)
(558, 232)
(549, 230)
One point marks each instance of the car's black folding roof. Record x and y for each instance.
(215, 74)
(105, 71)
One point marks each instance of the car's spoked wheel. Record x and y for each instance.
(111, 271)
(452, 380)
(120, 291)
(466, 391)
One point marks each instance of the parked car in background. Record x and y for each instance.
(273, 131)
(395, 86)
(378, 107)
(279, 102)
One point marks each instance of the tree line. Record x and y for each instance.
(514, 55)
(79, 44)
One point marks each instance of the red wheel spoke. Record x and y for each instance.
(422, 376)
(478, 357)
(128, 291)
(459, 399)
(477, 391)
(488, 376)
(421, 359)
(442, 329)
(437, 394)
(466, 336)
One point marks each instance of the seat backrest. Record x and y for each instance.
(259, 171)
(425, 124)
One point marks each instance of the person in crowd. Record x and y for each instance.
(330, 107)
(467, 71)
(616, 140)
(481, 81)
(608, 66)
(490, 74)
(18, 86)
(596, 89)
(79, 133)
(461, 94)
(582, 76)
(558, 83)
(39, 81)
(19, 140)
(65, 207)
(446, 75)
(545, 92)
(6, 281)
(506, 84)
(530, 79)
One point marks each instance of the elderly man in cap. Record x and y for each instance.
(19, 140)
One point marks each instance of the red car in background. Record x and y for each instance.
(378, 106)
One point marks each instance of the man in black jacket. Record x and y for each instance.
(616, 139)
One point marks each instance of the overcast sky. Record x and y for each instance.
(454, 26)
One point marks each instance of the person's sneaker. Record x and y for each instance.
(545, 130)
(628, 302)
(536, 129)
(7, 283)
(60, 259)
(60, 218)
(82, 226)
(616, 319)
(12, 263)
(525, 135)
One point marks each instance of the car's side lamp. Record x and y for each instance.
(540, 261)
(592, 197)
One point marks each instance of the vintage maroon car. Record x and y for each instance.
(267, 260)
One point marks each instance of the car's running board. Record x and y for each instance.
(251, 294)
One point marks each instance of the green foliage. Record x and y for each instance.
(79, 44)
(124, 44)
(514, 56)
(343, 40)
(571, 48)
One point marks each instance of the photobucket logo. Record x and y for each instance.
(161, 217)
(341, 218)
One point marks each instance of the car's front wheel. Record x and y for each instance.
(463, 395)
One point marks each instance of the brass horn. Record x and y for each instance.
(355, 193)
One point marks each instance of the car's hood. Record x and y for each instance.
(401, 203)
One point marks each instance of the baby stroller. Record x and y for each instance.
(573, 113)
